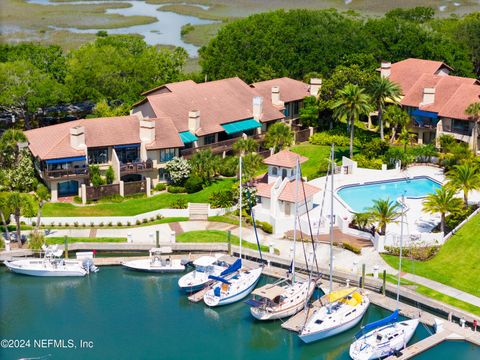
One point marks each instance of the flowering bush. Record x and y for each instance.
(178, 170)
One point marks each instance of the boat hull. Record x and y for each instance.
(361, 350)
(46, 272)
(212, 300)
(146, 266)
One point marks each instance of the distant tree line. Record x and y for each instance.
(297, 42)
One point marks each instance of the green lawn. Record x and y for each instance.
(457, 264)
(134, 206)
(315, 154)
(61, 240)
(433, 294)
(205, 236)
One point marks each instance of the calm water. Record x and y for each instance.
(166, 30)
(452, 350)
(131, 315)
(360, 197)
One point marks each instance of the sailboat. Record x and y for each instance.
(386, 336)
(197, 279)
(285, 297)
(236, 282)
(339, 310)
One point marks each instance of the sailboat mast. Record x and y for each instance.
(240, 206)
(332, 168)
(401, 246)
(297, 175)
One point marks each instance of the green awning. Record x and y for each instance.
(240, 126)
(187, 137)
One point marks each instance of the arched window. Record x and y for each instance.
(274, 171)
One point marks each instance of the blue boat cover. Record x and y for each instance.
(253, 303)
(232, 268)
(376, 324)
(217, 278)
(216, 291)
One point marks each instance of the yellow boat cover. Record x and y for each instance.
(343, 293)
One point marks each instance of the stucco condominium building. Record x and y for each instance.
(172, 120)
(436, 100)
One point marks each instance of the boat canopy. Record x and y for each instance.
(232, 268)
(340, 294)
(218, 278)
(269, 292)
(205, 261)
(376, 324)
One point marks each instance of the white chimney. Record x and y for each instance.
(385, 69)
(77, 138)
(193, 121)
(147, 131)
(428, 96)
(257, 109)
(276, 96)
(315, 86)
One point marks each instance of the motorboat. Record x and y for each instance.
(280, 300)
(156, 262)
(388, 337)
(342, 311)
(51, 265)
(197, 279)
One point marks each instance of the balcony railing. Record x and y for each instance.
(466, 132)
(66, 173)
(217, 147)
(136, 167)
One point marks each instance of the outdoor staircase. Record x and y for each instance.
(198, 211)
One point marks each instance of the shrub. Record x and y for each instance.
(109, 175)
(67, 224)
(176, 189)
(101, 224)
(129, 223)
(454, 219)
(159, 217)
(77, 199)
(193, 184)
(352, 248)
(179, 203)
(138, 222)
(84, 225)
(178, 170)
(110, 223)
(375, 148)
(268, 228)
(119, 223)
(228, 166)
(145, 220)
(367, 163)
(37, 239)
(221, 199)
(395, 154)
(326, 138)
(75, 224)
(152, 219)
(34, 223)
(91, 224)
(186, 29)
(95, 177)
(421, 253)
(160, 187)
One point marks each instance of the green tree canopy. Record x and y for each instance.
(443, 201)
(384, 212)
(465, 177)
(205, 164)
(9, 151)
(278, 136)
(383, 90)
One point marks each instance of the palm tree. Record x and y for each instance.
(384, 212)
(245, 145)
(474, 111)
(384, 89)
(5, 210)
(443, 201)
(395, 118)
(251, 165)
(42, 195)
(204, 164)
(278, 136)
(353, 102)
(464, 177)
(406, 138)
(9, 150)
(19, 204)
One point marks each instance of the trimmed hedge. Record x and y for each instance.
(176, 189)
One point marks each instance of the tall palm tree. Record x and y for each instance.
(383, 89)
(204, 164)
(464, 177)
(19, 204)
(251, 165)
(384, 212)
(42, 195)
(352, 103)
(443, 201)
(278, 136)
(474, 111)
(246, 145)
(395, 118)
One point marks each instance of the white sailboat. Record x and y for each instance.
(343, 309)
(285, 297)
(156, 262)
(197, 279)
(236, 282)
(51, 265)
(385, 337)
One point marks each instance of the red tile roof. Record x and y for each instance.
(289, 192)
(285, 158)
(406, 72)
(290, 89)
(264, 189)
(445, 87)
(219, 102)
(457, 104)
(53, 142)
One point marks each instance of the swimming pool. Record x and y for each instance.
(360, 197)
